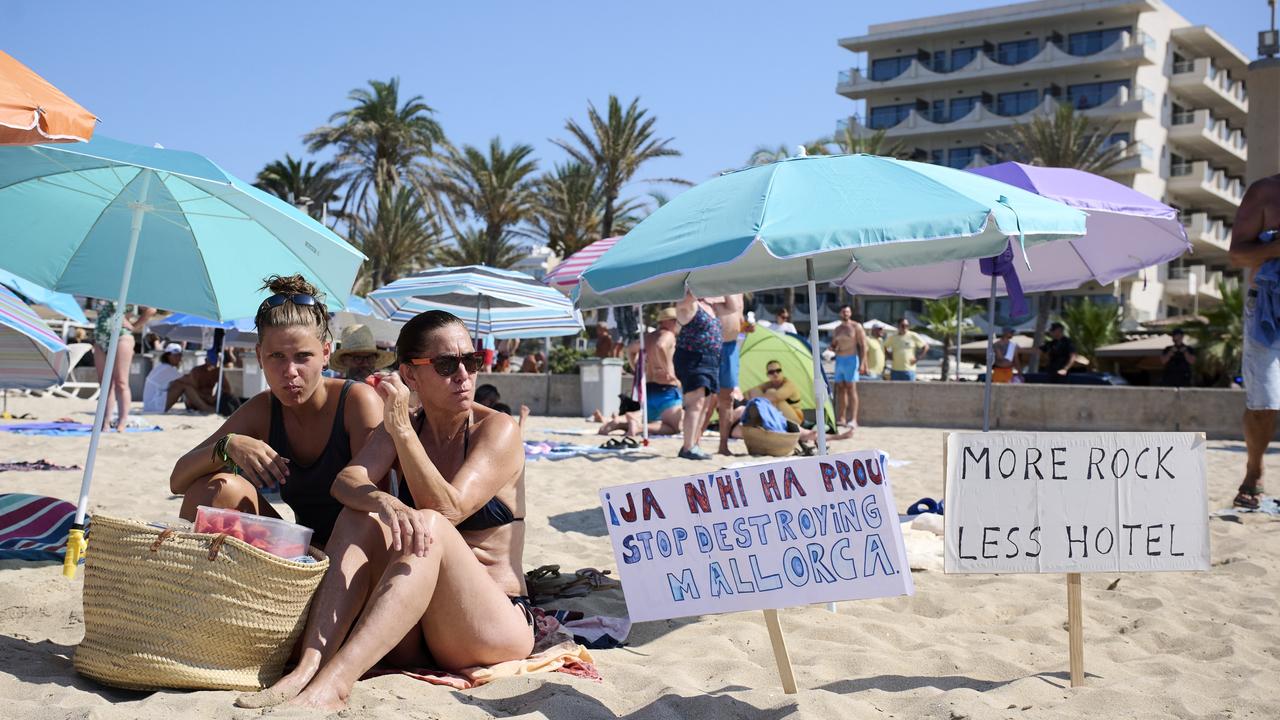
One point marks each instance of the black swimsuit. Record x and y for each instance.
(494, 513)
(307, 490)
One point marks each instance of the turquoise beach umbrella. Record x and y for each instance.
(154, 227)
(812, 218)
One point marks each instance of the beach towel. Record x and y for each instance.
(770, 418)
(34, 527)
(554, 650)
(31, 465)
(1268, 506)
(64, 428)
(534, 450)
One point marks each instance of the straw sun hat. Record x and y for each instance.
(358, 339)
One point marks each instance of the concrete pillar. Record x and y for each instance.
(1263, 84)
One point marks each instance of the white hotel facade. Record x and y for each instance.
(945, 86)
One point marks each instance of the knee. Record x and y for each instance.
(220, 490)
(354, 527)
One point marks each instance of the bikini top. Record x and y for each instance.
(494, 513)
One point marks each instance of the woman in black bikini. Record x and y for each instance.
(433, 572)
(297, 436)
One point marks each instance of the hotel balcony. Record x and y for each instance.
(1130, 49)
(1210, 237)
(1210, 137)
(1197, 283)
(1124, 105)
(1204, 83)
(1199, 184)
(1141, 157)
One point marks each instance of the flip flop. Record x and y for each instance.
(1248, 499)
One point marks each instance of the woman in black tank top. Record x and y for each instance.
(297, 436)
(433, 575)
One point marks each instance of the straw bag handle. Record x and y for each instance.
(214, 547)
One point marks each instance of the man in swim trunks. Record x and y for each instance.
(849, 342)
(661, 387)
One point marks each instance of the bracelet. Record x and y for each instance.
(220, 454)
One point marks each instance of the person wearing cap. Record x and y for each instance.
(1007, 358)
(1178, 360)
(357, 356)
(155, 392)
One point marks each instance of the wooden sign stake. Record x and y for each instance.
(780, 652)
(1075, 630)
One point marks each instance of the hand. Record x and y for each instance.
(395, 404)
(408, 530)
(259, 462)
(1063, 371)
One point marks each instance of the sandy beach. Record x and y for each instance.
(1184, 645)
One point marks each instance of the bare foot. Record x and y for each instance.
(321, 697)
(286, 688)
(725, 451)
(524, 414)
(597, 416)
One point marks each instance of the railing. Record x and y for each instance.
(844, 77)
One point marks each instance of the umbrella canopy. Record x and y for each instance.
(205, 239)
(565, 275)
(812, 218)
(61, 303)
(31, 356)
(33, 111)
(183, 327)
(360, 311)
(1126, 232)
(499, 303)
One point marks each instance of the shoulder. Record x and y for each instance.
(492, 426)
(360, 397)
(253, 417)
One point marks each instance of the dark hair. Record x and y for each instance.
(1177, 331)
(290, 314)
(488, 395)
(1057, 326)
(412, 341)
(502, 408)
(773, 362)
(846, 305)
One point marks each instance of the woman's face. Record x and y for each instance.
(292, 359)
(453, 393)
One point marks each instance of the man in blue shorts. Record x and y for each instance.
(849, 343)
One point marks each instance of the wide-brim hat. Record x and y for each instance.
(358, 339)
(667, 313)
(765, 442)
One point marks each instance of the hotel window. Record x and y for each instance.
(962, 106)
(886, 116)
(890, 68)
(961, 157)
(1087, 95)
(1016, 103)
(1017, 51)
(1093, 41)
(961, 57)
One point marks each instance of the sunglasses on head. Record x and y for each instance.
(446, 365)
(297, 299)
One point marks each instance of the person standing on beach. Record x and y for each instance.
(1060, 352)
(874, 369)
(728, 310)
(117, 386)
(1252, 248)
(1178, 360)
(907, 348)
(697, 365)
(849, 342)
(1007, 362)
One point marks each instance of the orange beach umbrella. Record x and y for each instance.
(33, 111)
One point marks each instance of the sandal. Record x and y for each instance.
(1248, 498)
(620, 443)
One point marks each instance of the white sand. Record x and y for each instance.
(1189, 645)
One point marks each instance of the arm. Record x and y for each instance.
(1167, 355)
(354, 488)
(686, 308)
(1246, 250)
(923, 348)
(495, 459)
(861, 337)
(260, 464)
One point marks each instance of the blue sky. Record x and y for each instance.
(242, 81)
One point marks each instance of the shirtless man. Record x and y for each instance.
(661, 388)
(1253, 245)
(728, 309)
(849, 342)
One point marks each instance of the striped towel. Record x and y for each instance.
(34, 527)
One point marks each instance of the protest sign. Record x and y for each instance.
(1075, 502)
(794, 532)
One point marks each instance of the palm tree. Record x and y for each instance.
(472, 246)
(849, 142)
(379, 138)
(939, 316)
(765, 155)
(399, 238)
(1220, 341)
(616, 146)
(300, 182)
(496, 189)
(1067, 140)
(1092, 325)
(569, 208)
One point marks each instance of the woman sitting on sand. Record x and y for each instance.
(298, 435)
(433, 572)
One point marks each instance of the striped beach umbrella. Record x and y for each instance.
(493, 302)
(31, 356)
(565, 275)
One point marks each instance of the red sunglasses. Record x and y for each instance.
(446, 365)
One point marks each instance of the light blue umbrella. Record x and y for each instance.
(61, 303)
(493, 302)
(153, 227)
(809, 220)
(184, 327)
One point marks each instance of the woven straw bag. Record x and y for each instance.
(166, 609)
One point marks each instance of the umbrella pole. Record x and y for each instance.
(641, 380)
(217, 397)
(819, 387)
(75, 538)
(991, 357)
(959, 334)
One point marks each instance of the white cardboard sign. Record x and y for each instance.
(1075, 502)
(781, 534)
